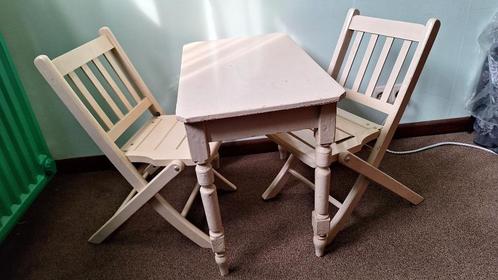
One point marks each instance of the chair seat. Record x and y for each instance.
(352, 132)
(160, 141)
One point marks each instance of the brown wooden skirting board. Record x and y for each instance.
(254, 146)
(434, 127)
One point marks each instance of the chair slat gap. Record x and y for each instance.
(351, 58)
(89, 73)
(117, 68)
(76, 80)
(342, 45)
(379, 66)
(112, 83)
(396, 69)
(364, 63)
(132, 73)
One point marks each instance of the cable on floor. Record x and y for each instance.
(438, 145)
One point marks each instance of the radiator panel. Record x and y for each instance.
(25, 163)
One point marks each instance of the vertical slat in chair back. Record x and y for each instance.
(356, 29)
(394, 97)
(103, 90)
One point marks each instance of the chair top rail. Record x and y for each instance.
(389, 28)
(83, 54)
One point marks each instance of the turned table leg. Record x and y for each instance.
(324, 135)
(205, 177)
(320, 216)
(199, 149)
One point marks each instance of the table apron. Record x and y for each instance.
(201, 133)
(261, 124)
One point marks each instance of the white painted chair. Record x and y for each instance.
(120, 98)
(352, 131)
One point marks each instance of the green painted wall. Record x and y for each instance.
(153, 32)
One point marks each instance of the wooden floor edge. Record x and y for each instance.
(255, 146)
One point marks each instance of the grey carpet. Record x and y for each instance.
(451, 235)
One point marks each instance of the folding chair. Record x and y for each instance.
(352, 131)
(102, 66)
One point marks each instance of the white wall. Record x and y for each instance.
(153, 32)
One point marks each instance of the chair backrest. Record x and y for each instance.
(394, 97)
(111, 94)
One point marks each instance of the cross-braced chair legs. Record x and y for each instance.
(142, 196)
(136, 199)
(372, 173)
(367, 173)
(160, 142)
(278, 183)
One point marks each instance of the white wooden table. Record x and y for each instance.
(243, 87)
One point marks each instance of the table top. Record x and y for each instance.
(249, 75)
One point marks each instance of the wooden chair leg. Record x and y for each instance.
(216, 162)
(137, 201)
(344, 213)
(190, 200)
(195, 191)
(179, 222)
(283, 153)
(132, 193)
(364, 168)
(231, 186)
(209, 197)
(279, 181)
(311, 185)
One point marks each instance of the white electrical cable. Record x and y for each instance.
(440, 144)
